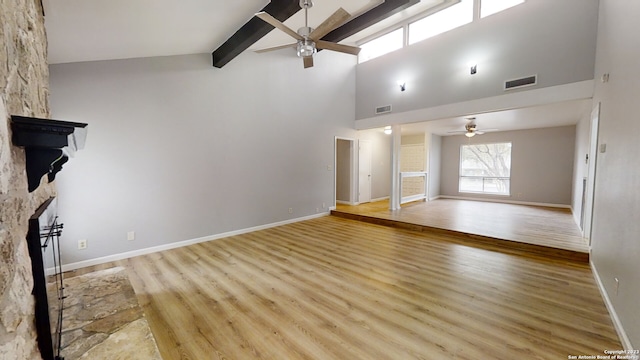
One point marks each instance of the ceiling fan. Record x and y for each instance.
(471, 129)
(309, 39)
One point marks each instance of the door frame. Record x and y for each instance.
(594, 126)
(369, 160)
(353, 169)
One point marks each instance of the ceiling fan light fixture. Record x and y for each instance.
(470, 134)
(306, 48)
(309, 39)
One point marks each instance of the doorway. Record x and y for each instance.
(345, 185)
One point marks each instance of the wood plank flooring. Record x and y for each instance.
(545, 227)
(332, 288)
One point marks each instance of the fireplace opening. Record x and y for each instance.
(43, 239)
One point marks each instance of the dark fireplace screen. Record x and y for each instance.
(44, 248)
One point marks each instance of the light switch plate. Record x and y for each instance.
(603, 148)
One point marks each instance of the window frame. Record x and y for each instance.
(381, 35)
(484, 178)
(436, 13)
(405, 24)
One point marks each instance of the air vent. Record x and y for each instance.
(522, 82)
(383, 109)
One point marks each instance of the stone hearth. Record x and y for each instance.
(103, 320)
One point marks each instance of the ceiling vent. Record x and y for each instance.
(383, 109)
(522, 82)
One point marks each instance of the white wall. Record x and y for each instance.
(178, 150)
(616, 229)
(435, 165)
(380, 162)
(553, 39)
(541, 164)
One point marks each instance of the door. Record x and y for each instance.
(591, 175)
(364, 173)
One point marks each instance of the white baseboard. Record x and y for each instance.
(506, 201)
(150, 250)
(617, 324)
(380, 199)
(435, 198)
(343, 202)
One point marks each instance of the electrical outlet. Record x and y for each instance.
(290, 210)
(324, 206)
(317, 210)
(131, 235)
(617, 285)
(82, 244)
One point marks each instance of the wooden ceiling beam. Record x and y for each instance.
(253, 31)
(255, 28)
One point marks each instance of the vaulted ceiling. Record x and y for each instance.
(255, 28)
(90, 30)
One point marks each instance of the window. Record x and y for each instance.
(442, 21)
(490, 7)
(382, 45)
(452, 17)
(485, 168)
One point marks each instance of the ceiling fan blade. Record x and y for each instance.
(457, 132)
(332, 22)
(353, 50)
(276, 23)
(307, 61)
(276, 48)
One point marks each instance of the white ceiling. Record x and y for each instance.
(89, 30)
(86, 30)
(550, 115)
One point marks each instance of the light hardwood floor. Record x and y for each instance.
(332, 288)
(542, 226)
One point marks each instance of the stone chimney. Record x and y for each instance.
(24, 90)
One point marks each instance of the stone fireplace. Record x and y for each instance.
(24, 83)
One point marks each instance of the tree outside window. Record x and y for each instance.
(485, 168)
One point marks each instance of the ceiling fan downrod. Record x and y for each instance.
(305, 47)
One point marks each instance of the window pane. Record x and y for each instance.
(382, 45)
(470, 184)
(485, 168)
(496, 186)
(445, 20)
(490, 7)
